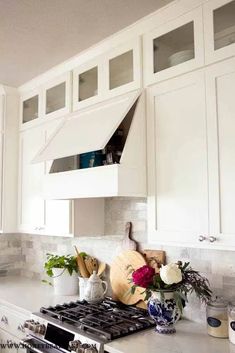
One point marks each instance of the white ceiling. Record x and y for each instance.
(35, 35)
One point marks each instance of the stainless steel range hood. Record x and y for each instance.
(90, 130)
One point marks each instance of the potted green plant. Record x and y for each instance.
(63, 269)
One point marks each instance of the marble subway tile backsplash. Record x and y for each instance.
(12, 259)
(25, 254)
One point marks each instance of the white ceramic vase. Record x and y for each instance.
(64, 283)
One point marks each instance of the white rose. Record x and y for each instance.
(171, 274)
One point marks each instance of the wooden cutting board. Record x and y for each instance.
(155, 258)
(128, 243)
(119, 276)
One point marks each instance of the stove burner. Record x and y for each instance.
(108, 319)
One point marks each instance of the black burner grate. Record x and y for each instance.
(108, 319)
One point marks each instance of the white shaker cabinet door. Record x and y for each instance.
(31, 205)
(58, 213)
(9, 343)
(37, 215)
(220, 83)
(178, 190)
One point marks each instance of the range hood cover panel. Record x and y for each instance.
(88, 130)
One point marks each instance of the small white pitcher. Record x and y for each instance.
(95, 289)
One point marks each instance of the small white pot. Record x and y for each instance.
(64, 284)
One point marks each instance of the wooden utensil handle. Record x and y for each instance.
(128, 230)
(81, 265)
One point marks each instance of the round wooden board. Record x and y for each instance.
(119, 276)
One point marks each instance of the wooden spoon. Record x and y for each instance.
(81, 265)
(91, 264)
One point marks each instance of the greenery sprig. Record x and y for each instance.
(68, 262)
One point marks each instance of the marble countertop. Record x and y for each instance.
(28, 296)
(190, 337)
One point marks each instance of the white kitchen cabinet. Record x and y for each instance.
(48, 101)
(219, 29)
(174, 48)
(123, 68)
(30, 107)
(56, 96)
(31, 204)
(177, 161)
(37, 215)
(9, 343)
(51, 217)
(11, 329)
(220, 84)
(85, 134)
(9, 105)
(88, 83)
(113, 73)
(191, 186)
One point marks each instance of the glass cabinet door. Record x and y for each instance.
(30, 109)
(88, 84)
(55, 98)
(121, 70)
(219, 24)
(224, 25)
(116, 71)
(174, 48)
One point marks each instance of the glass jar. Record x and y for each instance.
(231, 319)
(217, 318)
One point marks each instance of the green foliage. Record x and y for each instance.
(68, 262)
(83, 254)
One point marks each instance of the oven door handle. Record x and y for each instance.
(26, 343)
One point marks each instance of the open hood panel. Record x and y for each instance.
(87, 130)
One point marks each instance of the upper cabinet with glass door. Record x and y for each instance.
(174, 48)
(123, 68)
(86, 84)
(115, 72)
(30, 107)
(57, 96)
(219, 18)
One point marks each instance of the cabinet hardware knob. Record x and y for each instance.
(201, 238)
(212, 239)
(4, 319)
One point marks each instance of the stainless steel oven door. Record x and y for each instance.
(34, 345)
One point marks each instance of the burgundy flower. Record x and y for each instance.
(143, 277)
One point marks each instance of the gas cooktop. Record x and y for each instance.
(106, 320)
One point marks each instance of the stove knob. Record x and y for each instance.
(91, 349)
(40, 329)
(29, 324)
(74, 345)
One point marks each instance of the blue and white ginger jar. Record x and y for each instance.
(164, 312)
